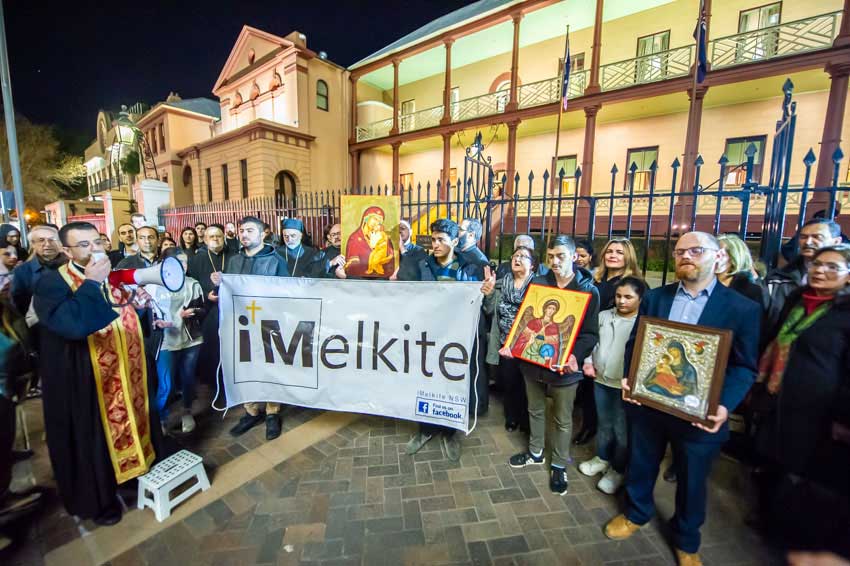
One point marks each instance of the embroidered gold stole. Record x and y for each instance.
(120, 372)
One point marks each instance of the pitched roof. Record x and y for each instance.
(460, 16)
(204, 106)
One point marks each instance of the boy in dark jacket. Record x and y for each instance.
(559, 382)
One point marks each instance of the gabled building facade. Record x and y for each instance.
(283, 124)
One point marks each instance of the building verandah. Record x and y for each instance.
(613, 105)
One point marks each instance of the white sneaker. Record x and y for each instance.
(610, 482)
(595, 465)
(187, 424)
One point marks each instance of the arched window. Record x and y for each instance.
(187, 176)
(285, 191)
(503, 95)
(322, 95)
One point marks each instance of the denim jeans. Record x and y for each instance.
(611, 433)
(179, 365)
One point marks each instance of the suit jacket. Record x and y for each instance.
(726, 309)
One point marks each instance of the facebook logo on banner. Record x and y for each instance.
(443, 410)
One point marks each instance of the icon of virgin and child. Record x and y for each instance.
(369, 251)
(541, 339)
(673, 376)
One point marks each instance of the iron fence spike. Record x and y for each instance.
(676, 164)
(723, 160)
(614, 169)
(837, 155)
(633, 167)
(751, 150)
(810, 158)
(699, 161)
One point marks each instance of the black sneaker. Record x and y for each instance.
(246, 423)
(273, 426)
(524, 459)
(558, 481)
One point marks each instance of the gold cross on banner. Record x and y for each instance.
(253, 308)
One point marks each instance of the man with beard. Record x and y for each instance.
(231, 240)
(255, 258)
(469, 235)
(302, 261)
(695, 299)
(815, 234)
(96, 404)
(202, 265)
(148, 242)
(127, 245)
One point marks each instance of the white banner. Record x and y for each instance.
(391, 348)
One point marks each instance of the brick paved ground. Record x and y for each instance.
(53, 527)
(356, 498)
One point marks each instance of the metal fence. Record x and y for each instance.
(651, 215)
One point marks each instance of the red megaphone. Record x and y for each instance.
(169, 274)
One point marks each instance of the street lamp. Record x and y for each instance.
(127, 134)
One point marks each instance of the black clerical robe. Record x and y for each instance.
(201, 267)
(88, 458)
(304, 261)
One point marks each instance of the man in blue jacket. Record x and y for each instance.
(696, 299)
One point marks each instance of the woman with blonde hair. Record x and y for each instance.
(618, 260)
(735, 269)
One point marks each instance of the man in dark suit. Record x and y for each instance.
(696, 299)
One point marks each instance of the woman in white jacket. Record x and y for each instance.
(177, 359)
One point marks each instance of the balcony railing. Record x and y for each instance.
(421, 119)
(548, 91)
(478, 106)
(791, 38)
(106, 184)
(647, 68)
(374, 130)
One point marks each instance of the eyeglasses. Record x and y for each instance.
(695, 251)
(521, 256)
(86, 245)
(829, 267)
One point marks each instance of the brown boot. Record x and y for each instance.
(620, 528)
(687, 559)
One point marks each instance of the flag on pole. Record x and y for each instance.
(565, 85)
(702, 48)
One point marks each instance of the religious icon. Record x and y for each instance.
(679, 368)
(370, 235)
(546, 328)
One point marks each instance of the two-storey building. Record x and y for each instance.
(494, 66)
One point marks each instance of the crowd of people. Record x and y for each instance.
(787, 376)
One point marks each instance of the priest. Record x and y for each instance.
(96, 412)
(302, 261)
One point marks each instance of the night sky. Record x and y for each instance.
(69, 58)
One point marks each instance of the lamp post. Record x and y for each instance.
(127, 134)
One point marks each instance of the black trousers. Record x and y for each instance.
(513, 392)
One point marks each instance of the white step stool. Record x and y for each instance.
(167, 475)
